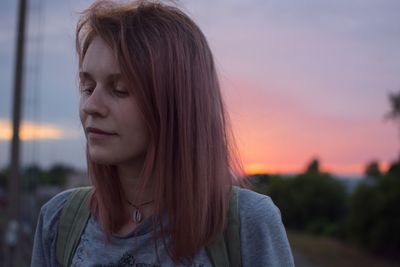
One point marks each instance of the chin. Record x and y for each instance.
(114, 157)
(101, 158)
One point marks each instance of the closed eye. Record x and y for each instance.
(120, 93)
(86, 90)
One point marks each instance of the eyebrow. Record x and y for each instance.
(112, 77)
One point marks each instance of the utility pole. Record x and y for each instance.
(12, 231)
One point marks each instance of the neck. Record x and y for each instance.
(135, 192)
(132, 184)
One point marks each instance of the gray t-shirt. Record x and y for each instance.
(262, 234)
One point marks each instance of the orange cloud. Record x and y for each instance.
(259, 168)
(31, 131)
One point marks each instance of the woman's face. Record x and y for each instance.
(114, 128)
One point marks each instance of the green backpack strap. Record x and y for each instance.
(226, 250)
(232, 233)
(74, 217)
(75, 214)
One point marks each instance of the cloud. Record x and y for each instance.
(32, 131)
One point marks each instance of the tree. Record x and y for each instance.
(394, 169)
(313, 202)
(394, 113)
(372, 170)
(4, 177)
(313, 167)
(374, 215)
(31, 176)
(58, 174)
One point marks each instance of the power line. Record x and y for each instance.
(33, 87)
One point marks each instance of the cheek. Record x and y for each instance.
(81, 113)
(138, 135)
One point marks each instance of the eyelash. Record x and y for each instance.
(87, 91)
(119, 93)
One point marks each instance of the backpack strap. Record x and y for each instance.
(73, 220)
(232, 232)
(226, 251)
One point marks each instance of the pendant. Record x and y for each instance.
(137, 216)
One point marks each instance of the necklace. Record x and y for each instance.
(137, 214)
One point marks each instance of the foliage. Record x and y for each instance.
(317, 203)
(374, 217)
(313, 167)
(372, 170)
(4, 177)
(313, 202)
(57, 175)
(394, 113)
(33, 176)
(394, 170)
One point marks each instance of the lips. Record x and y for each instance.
(97, 131)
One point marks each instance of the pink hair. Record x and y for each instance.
(191, 158)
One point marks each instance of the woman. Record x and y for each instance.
(159, 152)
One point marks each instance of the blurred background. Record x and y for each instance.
(313, 92)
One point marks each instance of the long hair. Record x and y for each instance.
(191, 157)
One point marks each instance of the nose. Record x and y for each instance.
(94, 104)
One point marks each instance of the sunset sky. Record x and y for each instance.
(301, 79)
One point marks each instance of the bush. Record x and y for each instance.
(312, 201)
(374, 218)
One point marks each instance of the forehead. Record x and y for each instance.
(99, 59)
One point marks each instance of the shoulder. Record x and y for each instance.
(51, 210)
(254, 206)
(262, 234)
(43, 252)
